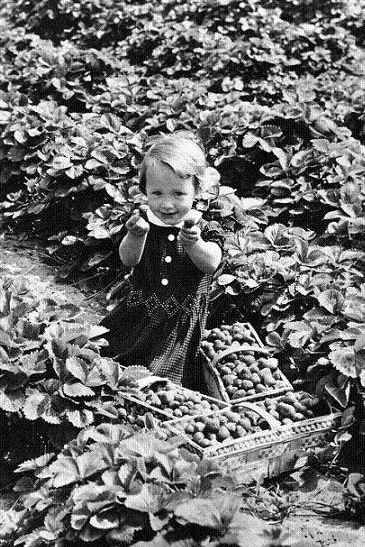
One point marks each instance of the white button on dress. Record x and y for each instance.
(171, 237)
(168, 259)
(164, 281)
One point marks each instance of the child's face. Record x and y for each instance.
(169, 196)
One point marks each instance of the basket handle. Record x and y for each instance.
(235, 349)
(273, 422)
(148, 381)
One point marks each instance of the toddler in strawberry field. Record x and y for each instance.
(174, 254)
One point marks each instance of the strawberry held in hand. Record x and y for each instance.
(137, 224)
(192, 218)
(190, 231)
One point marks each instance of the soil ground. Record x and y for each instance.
(25, 257)
(20, 256)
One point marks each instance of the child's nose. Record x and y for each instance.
(167, 203)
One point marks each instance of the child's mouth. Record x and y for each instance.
(168, 215)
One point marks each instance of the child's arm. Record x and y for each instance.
(132, 245)
(206, 255)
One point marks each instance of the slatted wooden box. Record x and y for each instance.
(213, 381)
(164, 412)
(264, 454)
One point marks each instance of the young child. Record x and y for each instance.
(174, 255)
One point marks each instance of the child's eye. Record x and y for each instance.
(156, 193)
(179, 194)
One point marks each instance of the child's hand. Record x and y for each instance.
(190, 231)
(136, 225)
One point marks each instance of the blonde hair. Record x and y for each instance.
(182, 151)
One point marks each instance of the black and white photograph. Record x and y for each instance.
(182, 273)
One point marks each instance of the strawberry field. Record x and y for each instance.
(275, 89)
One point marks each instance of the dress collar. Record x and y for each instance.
(155, 220)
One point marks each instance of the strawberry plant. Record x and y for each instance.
(110, 486)
(354, 496)
(273, 89)
(82, 79)
(51, 371)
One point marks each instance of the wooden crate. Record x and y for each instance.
(264, 454)
(269, 457)
(213, 381)
(134, 405)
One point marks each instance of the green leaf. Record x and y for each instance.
(36, 464)
(354, 308)
(249, 140)
(245, 530)
(80, 418)
(90, 534)
(89, 499)
(251, 203)
(341, 395)
(35, 405)
(77, 390)
(126, 473)
(144, 445)
(125, 534)
(277, 235)
(62, 472)
(67, 470)
(33, 363)
(11, 401)
(332, 300)
(69, 240)
(145, 501)
(105, 520)
(24, 485)
(225, 279)
(200, 511)
(298, 339)
(33, 539)
(275, 340)
(282, 157)
(90, 376)
(92, 164)
(5, 339)
(61, 163)
(104, 156)
(89, 463)
(74, 172)
(362, 377)
(54, 520)
(20, 136)
(99, 232)
(343, 359)
(98, 258)
(359, 343)
(109, 433)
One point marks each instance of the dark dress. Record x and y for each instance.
(159, 322)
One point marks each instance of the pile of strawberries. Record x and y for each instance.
(244, 372)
